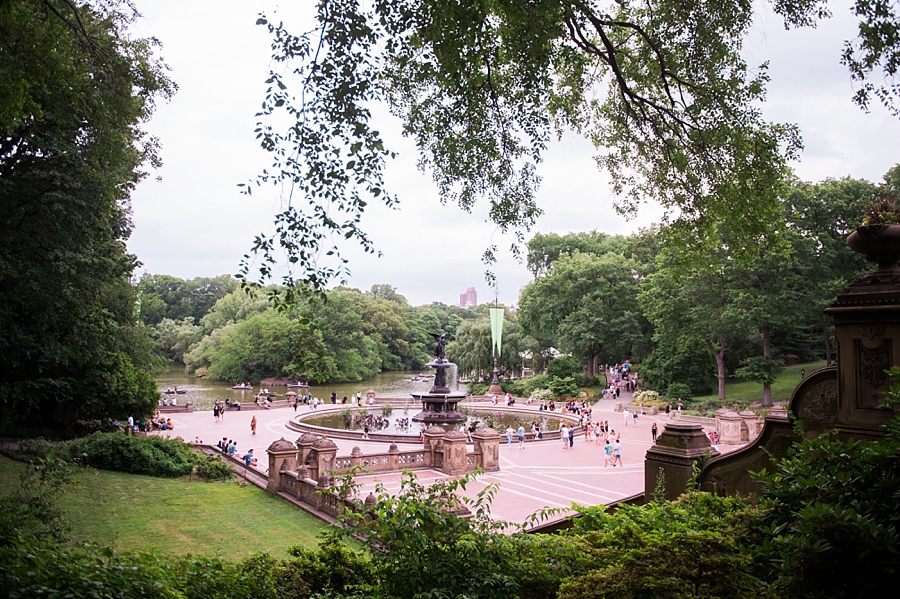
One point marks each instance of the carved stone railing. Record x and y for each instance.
(305, 470)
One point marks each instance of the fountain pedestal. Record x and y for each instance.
(439, 405)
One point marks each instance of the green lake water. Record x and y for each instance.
(203, 393)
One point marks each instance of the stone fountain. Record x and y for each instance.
(439, 405)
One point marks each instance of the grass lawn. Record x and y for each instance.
(739, 390)
(176, 516)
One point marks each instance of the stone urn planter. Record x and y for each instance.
(879, 244)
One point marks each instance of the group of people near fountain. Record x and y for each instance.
(159, 422)
(229, 447)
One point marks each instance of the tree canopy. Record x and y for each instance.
(76, 91)
(659, 87)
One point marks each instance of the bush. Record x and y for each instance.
(538, 381)
(333, 568)
(213, 467)
(541, 395)
(518, 387)
(152, 456)
(583, 380)
(478, 388)
(649, 398)
(563, 367)
(676, 391)
(563, 387)
(833, 528)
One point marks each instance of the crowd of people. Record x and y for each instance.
(620, 379)
(229, 447)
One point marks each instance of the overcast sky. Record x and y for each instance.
(194, 222)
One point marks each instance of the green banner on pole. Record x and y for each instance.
(496, 328)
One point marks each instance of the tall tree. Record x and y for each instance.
(684, 299)
(76, 91)
(589, 304)
(823, 215)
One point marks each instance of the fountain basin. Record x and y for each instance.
(332, 423)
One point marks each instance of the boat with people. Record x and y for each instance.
(174, 391)
(298, 385)
(243, 386)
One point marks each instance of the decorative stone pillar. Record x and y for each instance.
(434, 436)
(728, 425)
(323, 453)
(394, 457)
(673, 457)
(454, 453)
(867, 334)
(282, 456)
(325, 481)
(487, 443)
(304, 444)
(356, 456)
(752, 425)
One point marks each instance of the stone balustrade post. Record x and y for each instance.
(487, 443)
(433, 445)
(454, 453)
(323, 453)
(729, 425)
(282, 456)
(356, 456)
(394, 457)
(672, 458)
(304, 444)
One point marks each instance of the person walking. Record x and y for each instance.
(509, 434)
(668, 410)
(609, 455)
(571, 437)
(617, 453)
(634, 417)
(564, 433)
(521, 432)
(625, 414)
(653, 431)
(253, 424)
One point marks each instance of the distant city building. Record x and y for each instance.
(469, 299)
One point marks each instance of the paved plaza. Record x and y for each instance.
(542, 474)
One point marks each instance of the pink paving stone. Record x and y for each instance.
(542, 475)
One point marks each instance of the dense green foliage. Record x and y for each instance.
(76, 91)
(29, 513)
(344, 335)
(99, 572)
(150, 455)
(834, 526)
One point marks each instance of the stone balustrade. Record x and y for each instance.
(305, 468)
